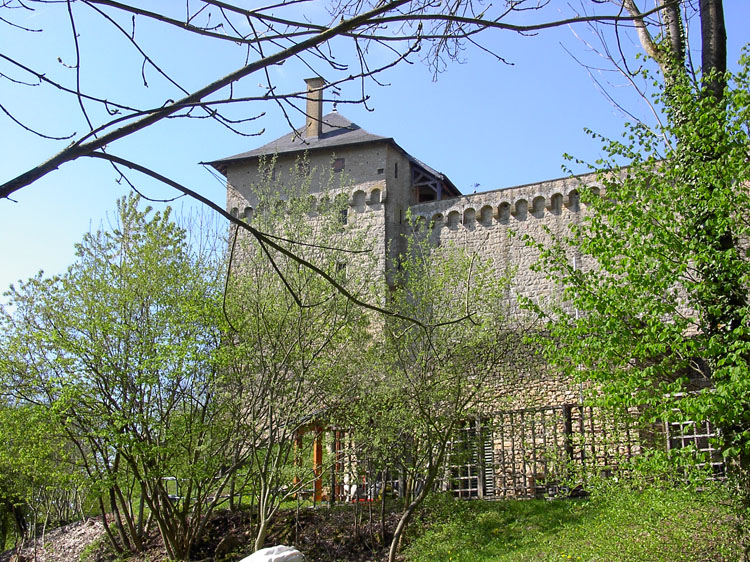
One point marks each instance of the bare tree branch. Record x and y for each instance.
(264, 239)
(76, 150)
(390, 21)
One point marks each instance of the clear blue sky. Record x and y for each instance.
(485, 124)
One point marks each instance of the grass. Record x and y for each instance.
(618, 524)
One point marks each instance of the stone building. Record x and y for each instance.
(383, 183)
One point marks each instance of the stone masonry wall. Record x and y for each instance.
(360, 164)
(364, 179)
(494, 224)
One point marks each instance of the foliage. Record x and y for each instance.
(167, 404)
(426, 380)
(116, 356)
(660, 305)
(39, 483)
(620, 523)
(293, 339)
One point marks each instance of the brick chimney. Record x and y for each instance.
(314, 121)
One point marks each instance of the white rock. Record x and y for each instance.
(278, 553)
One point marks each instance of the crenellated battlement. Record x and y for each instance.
(504, 206)
(362, 197)
(367, 196)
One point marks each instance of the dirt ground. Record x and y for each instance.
(64, 544)
(340, 534)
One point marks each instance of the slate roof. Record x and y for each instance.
(337, 131)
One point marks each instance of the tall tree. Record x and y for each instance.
(293, 340)
(119, 354)
(433, 377)
(696, 149)
(661, 306)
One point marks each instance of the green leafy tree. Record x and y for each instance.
(434, 375)
(660, 309)
(39, 482)
(118, 354)
(294, 339)
(661, 304)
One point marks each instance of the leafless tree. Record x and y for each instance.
(350, 43)
(261, 37)
(683, 40)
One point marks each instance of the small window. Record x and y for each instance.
(380, 170)
(395, 170)
(338, 165)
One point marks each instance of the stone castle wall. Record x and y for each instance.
(365, 221)
(375, 180)
(495, 224)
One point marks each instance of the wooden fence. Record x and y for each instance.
(540, 452)
(525, 453)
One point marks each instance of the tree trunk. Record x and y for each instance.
(382, 511)
(263, 511)
(411, 508)
(402, 523)
(141, 507)
(18, 518)
(132, 530)
(112, 540)
(260, 538)
(714, 45)
(3, 529)
(675, 33)
(232, 504)
(118, 520)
